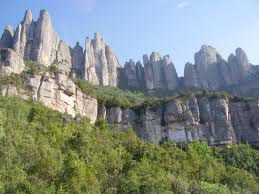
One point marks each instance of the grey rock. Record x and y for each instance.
(206, 61)
(100, 62)
(140, 75)
(159, 72)
(10, 62)
(89, 63)
(191, 77)
(6, 40)
(59, 93)
(46, 41)
(78, 60)
(63, 58)
(239, 66)
(216, 121)
(131, 74)
(113, 64)
(171, 77)
(104, 71)
(148, 71)
(24, 35)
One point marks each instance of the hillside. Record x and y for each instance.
(43, 151)
(75, 120)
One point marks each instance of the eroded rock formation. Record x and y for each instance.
(58, 92)
(217, 121)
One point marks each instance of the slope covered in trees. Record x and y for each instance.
(43, 151)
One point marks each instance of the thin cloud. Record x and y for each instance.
(86, 5)
(183, 4)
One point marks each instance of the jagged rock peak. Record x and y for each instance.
(45, 41)
(167, 60)
(98, 42)
(242, 57)
(10, 29)
(44, 12)
(206, 56)
(155, 57)
(27, 17)
(6, 40)
(145, 59)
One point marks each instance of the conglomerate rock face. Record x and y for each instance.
(58, 92)
(97, 62)
(217, 121)
(212, 72)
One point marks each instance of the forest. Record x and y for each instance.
(44, 151)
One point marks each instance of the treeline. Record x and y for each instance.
(43, 151)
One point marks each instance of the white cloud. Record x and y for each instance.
(183, 4)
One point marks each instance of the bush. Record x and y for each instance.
(33, 68)
(44, 151)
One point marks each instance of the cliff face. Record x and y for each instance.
(217, 120)
(98, 63)
(212, 72)
(56, 91)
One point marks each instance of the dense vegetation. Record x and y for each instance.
(112, 96)
(43, 151)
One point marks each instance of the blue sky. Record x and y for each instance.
(136, 27)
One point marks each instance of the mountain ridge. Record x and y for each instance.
(49, 68)
(98, 63)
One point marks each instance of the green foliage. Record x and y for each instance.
(53, 68)
(240, 156)
(43, 151)
(33, 68)
(13, 79)
(112, 96)
(209, 188)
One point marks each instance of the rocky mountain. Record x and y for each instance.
(216, 120)
(98, 63)
(38, 41)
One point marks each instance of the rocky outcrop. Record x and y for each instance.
(24, 36)
(207, 67)
(58, 92)
(38, 41)
(171, 77)
(63, 58)
(212, 72)
(217, 120)
(239, 67)
(78, 60)
(133, 75)
(158, 73)
(101, 63)
(6, 40)
(46, 41)
(10, 62)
